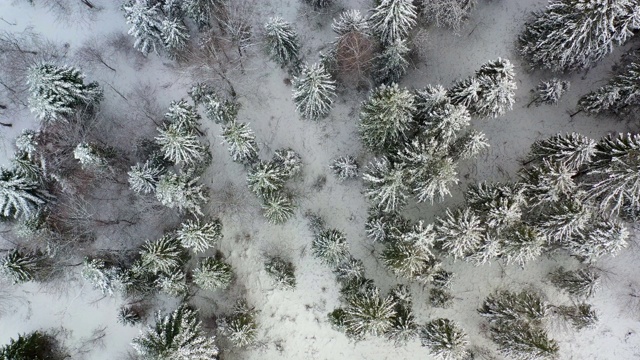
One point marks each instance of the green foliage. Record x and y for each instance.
(580, 316)
(445, 339)
(213, 274)
(503, 306)
(581, 283)
(278, 207)
(368, 314)
(21, 267)
(163, 255)
(521, 340)
(281, 271)
(331, 247)
(240, 327)
(20, 196)
(36, 345)
(199, 236)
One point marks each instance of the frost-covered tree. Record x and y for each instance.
(345, 167)
(177, 336)
(603, 237)
(522, 244)
(220, 111)
(403, 324)
(386, 185)
(549, 92)
(175, 36)
(386, 117)
(571, 150)
(174, 284)
(283, 42)
(319, 4)
(581, 283)
(385, 227)
(468, 146)
(183, 115)
(278, 207)
(162, 255)
(20, 267)
(180, 144)
(445, 339)
(146, 25)
(349, 269)
(266, 177)
(501, 205)
(510, 307)
(350, 21)
(20, 196)
(289, 161)
(201, 11)
(447, 13)
(143, 178)
(55, 91)
(572, 35)
(521, 340)
(331, 247)
(199, 236)
(391, 20)
(367, 313)
(107, 278)
(181, 192)
(212, 274)
(566, 219)
(240, 327)
(128, 316)
(27, 142)
(620, 92)
(580, 316)
(90, 156)
(392, 64)
(313, 92)
(429, 173)
(460, 233)
(200, 91)
(353, 50)
(548, 183)
(36, 345)
(409, 259)
(281, 271)
(241, 141)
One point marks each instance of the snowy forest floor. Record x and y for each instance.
(292, 324)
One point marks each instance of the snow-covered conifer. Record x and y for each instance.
(281, 271)
(177, 336)
(20, 196)
(181, 192)
(200, 11)
(501, 205)
(313, 92)
(212, 274)
(549, 92)
(240, 327)
(369, 314)
(570, 35)
(429, 99)
(107, 278)
(445, 339)
(180, 145)
(35, 345)
(331, 247)
(128, 316)
(603, 237)
(54, 91)
(241, 141)
(90, 156)
(468, 145)
(174, 36)
(440, 298)
(465, 92)
(283, 42)
(548, 183)
(319, 4)
(444, 123)
(403, 323)
(497, 89)
(350, 21)
(521, 340)
(199, 92)
(460, 233)
(289, 161)
(510, 307)
(522, 244)
(430, 177)
(391, 20)
(220, 111)
(349, 269)
(27, 143)
(173, 284)
(580, 316)
(582, 283)
(278, 207)
(392, 64)
(162, 255)
(146, 25)
(620, 92)
(566, 219)
(571, 150)
(344, 167)
(199, 236)
(386, 117)
(386, 185)
(407, 259)
(447, 13)
(385, 227)
(143, 178)
(266, 177)
(21, 266)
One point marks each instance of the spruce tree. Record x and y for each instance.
(146, 25)
(549, 92)
(143, 178)
(460, 233)
(369, 314)
(201, 11)
(385, 226)
(177, 336)
(55, 91)
(175, 36)
(345, 167)
(582, 283)
(181, 192)
(241, 326)
(163, 255)
(429, 173)
(523, 341)
(448, 13)
(571, 150)
(20, 196)
(331, 247)
(350, 21)
(278, 207)
(391, 20)
(522, 244)
(468, 146)
(180, 144)
(20, 267)
(128, 316)
(313, 92)
(572, 35)
(103, 276)
(173, 284)
(199, 92)
(510, 307)
(580, 316)
(199, 236)
(445, 339)
(282, 272)
(241, 141)
(386, 185)
(212, 274)
(605, 236)
(35, 345)
(565, 220)
(392, 64)
(283, 42)
(548, 183)
(319, 4)
(90, 156)
(266, 177)
(289, 161)
(220, 111)
(408, 259)
(620, 92)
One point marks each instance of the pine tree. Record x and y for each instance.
(510, 307)
(241, 326)
(448, 13)
(181, 192)
(200, 91)
(571, 150)
(350, 21)
(369, 314)
(241, 141)
(582, 283)
(174, 284)
(27, 142)
(548, 183)
(199, 237)
(21, 267)
(468, 146)
(603, 237)
(183, 115)
(445, 339)
(403, 324)
(392, 64)
(19, 195)
(55, 91)
(177, 336)
(385, 227)
(345, 167)
(521, 340)
(501, 205)
(107, 278)
(35, 345)
(212, 274)
(146, 25)
(620, 92)
(175, 36)
(565, 220)
(143, 178)
(128, 316)
(460, 233)
(386, 117)
(522, 244)
(281, 271)
(331, 247)
(220, 111)
(266, 177)
(349, 269)
(573, 35)
(313, 92)
(278, 207)
(289, 161)
(580, 316)
(409, 259)
(431, 179)
(90, 156)
(391, 20)
(283, 42)
(163, 255)
(386, 185)
(201, 11)
(180, 145)
(549, 92)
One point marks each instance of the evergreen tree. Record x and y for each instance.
(448, 13)
(572, 35)
(90, 156)
(281, 271)
(146, 25)
(241, 141)
(501, 205)
(54, 91)
(199, 237)
(201, 12)
(266, 177)
(392, 64)
(350, 21)
(289, 161)
(212, 274)
(241, 327)
(468, 146)
(386, 117)
(163, 255)
(177, 336)
(200, 91)
(391, 20)
(21, 267)
(603, 237)
(349, 269)
(440, 298)
(430, 174)
(510, 307)
(403, 324)
(565, 220)
(179, 144)
(19, 195)
(278, 207)
(107, 278)
(345, 167)
(550, 92)
(620, 92)
(319, 4)
(571, 150)
(369, 314)
(580, 316)
(386, 185)
(313, 92)
(385, 227)
(331, 247)
(283, 42)
(548, 183)
(445, 339)
(581, 283)
(27, 142)
(175, 36)
(523, 341)
(183, 115)
(522, 244)
(128, 316)
(460, 233)
(173, 284)
(220, 111)
(143, 178)
(409, 259)
(181, 192)
(36, 345)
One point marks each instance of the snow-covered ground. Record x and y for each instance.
(292, 324)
